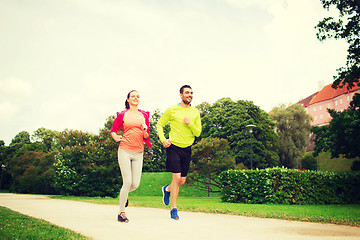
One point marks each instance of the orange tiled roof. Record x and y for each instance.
(306, 101)
(329, 93)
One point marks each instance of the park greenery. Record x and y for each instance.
(227, 119)
(293, 129)
(210, 157)
(16, 226)
(73, 162)
(346, 27)
(78, 163)
(288, 186)
(342, 135)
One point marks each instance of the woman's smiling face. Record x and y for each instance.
(134, 98)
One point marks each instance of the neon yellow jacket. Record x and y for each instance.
(181, 135)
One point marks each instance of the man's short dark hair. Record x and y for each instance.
(185, 86)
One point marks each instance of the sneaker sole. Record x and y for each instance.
(126, 221)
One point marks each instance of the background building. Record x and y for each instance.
(317, 104)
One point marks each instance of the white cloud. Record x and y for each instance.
(299, 60)
(7, 112)
(13, 87)
(259, 3)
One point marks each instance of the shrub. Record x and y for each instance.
(85, 166)
(32, 172)
(285, 186)
(355, 166)
(210, 157)
(309, 162)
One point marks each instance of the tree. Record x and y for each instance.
(342, 135)
(227, 119)
(21, 143)
(346, 27)
(293, 128)
(155, 157)
(4, 163)
(32, 172)
(85, 166)
(210, 157)
(203, 108)
(47, 137)
(309, 162)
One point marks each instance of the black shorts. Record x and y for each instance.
(178, 159)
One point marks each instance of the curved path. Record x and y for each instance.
(100, 222)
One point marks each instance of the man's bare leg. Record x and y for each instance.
(176, 182)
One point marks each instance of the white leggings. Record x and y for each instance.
(131, 166)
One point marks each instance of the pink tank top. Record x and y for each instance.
(133, 138)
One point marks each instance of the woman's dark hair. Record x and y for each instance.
(127, 105)
(185, 86)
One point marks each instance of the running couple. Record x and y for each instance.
(185, 124)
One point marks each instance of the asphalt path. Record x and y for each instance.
(100, 222)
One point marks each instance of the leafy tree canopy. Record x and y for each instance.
(293, 128)
(46, 136)
(342, 135)
(22, 137)
(228, 119)
(347, 27)
(210, 157)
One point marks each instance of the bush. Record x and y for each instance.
(285, 186)
(355, 166)
(309, 162)
(32, 172)
(210, 157)
(86, 166)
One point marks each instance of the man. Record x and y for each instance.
(185, 125)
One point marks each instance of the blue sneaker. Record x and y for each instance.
(166, 195)
(174, 214)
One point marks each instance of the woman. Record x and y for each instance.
(135, 124)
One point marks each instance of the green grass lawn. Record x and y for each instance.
(14, 225)
(340, 164)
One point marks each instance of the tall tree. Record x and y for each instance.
(46, 136)
(293, 128)
(228, 120)
(342, 135)
(22, 137)
(210, 157)
(203, 108)
(347, 27)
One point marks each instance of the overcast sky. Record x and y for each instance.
(70, 63)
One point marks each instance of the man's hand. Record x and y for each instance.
(167, 143)
(187, 120)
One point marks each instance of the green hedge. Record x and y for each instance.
(288, 186)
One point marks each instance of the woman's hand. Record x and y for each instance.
(117, 138)
(144, 129)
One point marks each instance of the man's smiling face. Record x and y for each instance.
(186, 96)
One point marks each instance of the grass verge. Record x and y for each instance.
(14, 225)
